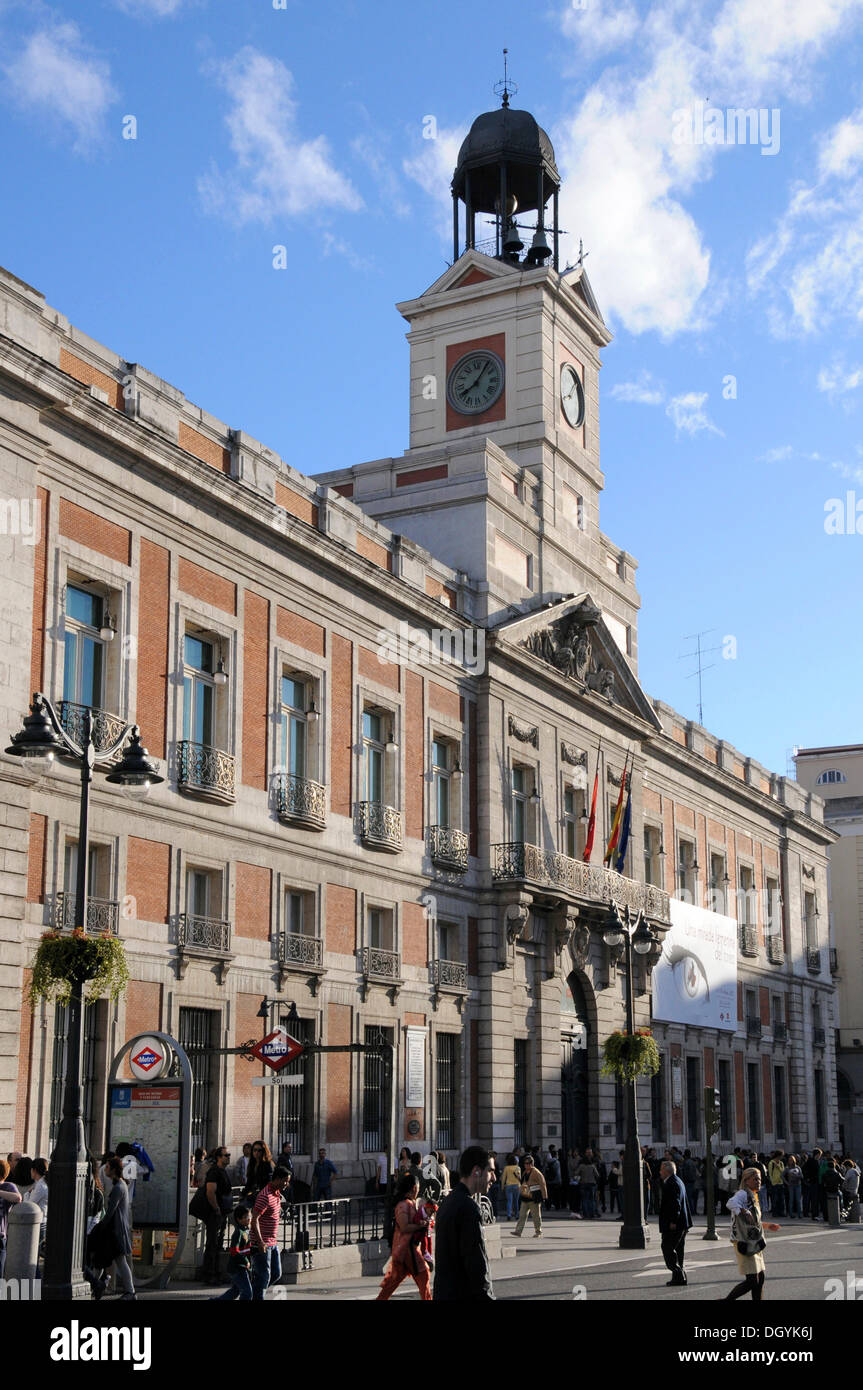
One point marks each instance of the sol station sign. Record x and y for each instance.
(277, 1049)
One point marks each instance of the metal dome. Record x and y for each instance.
(513, 138)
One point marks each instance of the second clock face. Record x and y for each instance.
(475, 382)
(571, 395)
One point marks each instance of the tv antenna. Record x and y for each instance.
(699, 653)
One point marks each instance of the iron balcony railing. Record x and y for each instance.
(813, 959)
(448, 847)
(105, 728)
(377, 964)
(302, 951)
(775, 949)
(103, 915)
(300, 801)
(516, 861)
(203, 934)
(780, 1031)
(448, 974)
(747, 936)
(753, 1026)
(380, 826)
(819, 1036)
(206, 771)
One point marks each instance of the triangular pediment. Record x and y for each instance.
(576, 279)
(471, 263)
(571, 635)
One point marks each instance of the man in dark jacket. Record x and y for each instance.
(461, 1260)
(675, 1219)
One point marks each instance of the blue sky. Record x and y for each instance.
(303, 126)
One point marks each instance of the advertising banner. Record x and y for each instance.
(695, 978)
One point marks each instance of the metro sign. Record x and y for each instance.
(277, 1049)
(146, 1059)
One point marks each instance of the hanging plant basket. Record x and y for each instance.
(66, 959)
(628, 1055)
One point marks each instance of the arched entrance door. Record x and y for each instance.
(574, 1036)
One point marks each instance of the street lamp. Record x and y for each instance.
(41, 740)
(639, 935)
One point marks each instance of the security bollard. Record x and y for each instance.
(22, 1241)
(853, 1217)
(833, 1208)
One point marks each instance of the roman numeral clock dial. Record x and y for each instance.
(475, 382)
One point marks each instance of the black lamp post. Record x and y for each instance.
(40, 741)
(639, 935)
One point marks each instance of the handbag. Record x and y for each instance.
(753, 1243)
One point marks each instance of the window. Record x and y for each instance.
(98, 870)
(92, 1018)
(203, 893)
(299, 912)
(718, 877)
(657, 1102)
(747, 911)
(820, 1126)
(726, 1101)
(830, 776)
(381, 930)
(652, 860)
(778, 1013)
(779, 1107)
(198, 1030)
(446, 1090)
(774, 914)
(442, 787)
(572, 804)
(296, 1103)
(519, 804)
(752, 1098)
(449, 941)
(83, 648)
(573, 507)
(374, 757)
(199, 691)
(686, 869)
(810, 921)
(294, 740)
(376, 1091)
(693, 1096)
(520, 1092)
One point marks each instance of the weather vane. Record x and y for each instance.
(506, 88)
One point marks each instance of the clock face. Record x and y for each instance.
(475, 382)
(571, 395)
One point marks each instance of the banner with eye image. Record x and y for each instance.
(695, 978)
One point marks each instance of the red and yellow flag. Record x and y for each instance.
(618, 811)
(591, 825)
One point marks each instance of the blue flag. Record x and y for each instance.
(624, 833)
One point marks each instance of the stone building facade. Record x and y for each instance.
(379, 698)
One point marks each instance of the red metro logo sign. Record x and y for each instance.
(277, 1049)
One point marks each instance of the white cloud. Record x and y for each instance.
(838, 379)
(689, 415)
(276, 172)
(56, 76)
(854, 475)
(642, 391)
(810, 264)
(158, 9)
(372, 148)
(432, 168)
(777, 455)
(600, 28)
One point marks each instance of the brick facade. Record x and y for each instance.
(153, 617)
(339, 1075)
(256, 709)
(95, 532)
(341, 750)
(148, 878)
(253, 903)
(207, 586)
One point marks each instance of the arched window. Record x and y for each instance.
(831, 775)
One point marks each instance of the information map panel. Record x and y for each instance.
(148, 1117)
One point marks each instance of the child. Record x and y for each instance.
(426, 1209)
(239, 1260)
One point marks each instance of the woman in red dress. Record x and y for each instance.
(407, 1260)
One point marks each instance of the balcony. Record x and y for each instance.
(448, 977)
(378, 966)
(380, 826)
(103, 915)
(813, 960)
(300, 955)
(300, 801)
(747, 938)
(515, 862)
(203, 938)
(205, 772)
(448, 848)
(819, 1037)
(780, 1031)
(775, 949)
(753, 1026)
(105, 728)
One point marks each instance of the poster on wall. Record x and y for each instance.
(695, 978)
(147, 1118)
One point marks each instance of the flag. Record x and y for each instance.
(615, 824)
(591, 825)
(625, 828)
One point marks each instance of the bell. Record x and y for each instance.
(539, 248)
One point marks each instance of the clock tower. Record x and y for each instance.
(502, 476)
